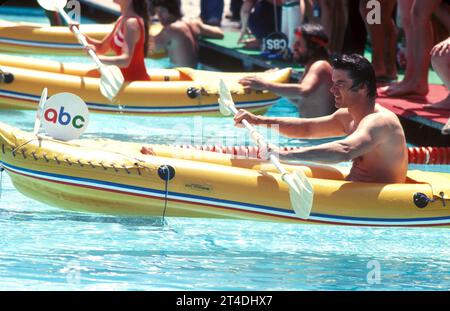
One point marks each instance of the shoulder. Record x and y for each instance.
(381, 121)
(132, 24)
(177, 26)
(321, 67)
(176, 29)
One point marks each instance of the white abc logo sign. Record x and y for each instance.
(65, 116)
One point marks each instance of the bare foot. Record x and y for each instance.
(147, 150)
(404, 89)
(252, 44)
(443, 104)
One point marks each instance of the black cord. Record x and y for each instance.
(1, 180)
(166, 191)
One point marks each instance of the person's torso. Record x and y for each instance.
(385, 163)
(136, 71)
(320, 101)
(182, 47)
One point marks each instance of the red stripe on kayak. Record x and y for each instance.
(226, 208)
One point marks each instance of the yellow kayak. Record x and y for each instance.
(179, 91)
(33, 38)
(113, 177)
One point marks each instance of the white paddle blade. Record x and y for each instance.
(446, 129)
(52, 5)
(223, 108)
(301, 193)
(225, 99)
(111, 81)
(40, 109)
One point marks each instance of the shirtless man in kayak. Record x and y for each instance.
(374, 138)
(312, 93)
(178, 37)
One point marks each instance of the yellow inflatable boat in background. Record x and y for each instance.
(33, 38)
(179, 91)
(113, 177)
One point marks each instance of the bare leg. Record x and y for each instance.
(405, 7)
(421, 47)
(442, 13)
(340, 24)
(334, 20)
(327, 18)
(441, 65)
(383, 39)
(391, 39)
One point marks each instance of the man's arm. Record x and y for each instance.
(368, 135)
(209, 31)
(314, 77)
(322, 127)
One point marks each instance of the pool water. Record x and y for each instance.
(45, 248)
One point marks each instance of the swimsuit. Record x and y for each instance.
(136, 71)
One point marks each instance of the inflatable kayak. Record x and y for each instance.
(113, 177)
(179, 91)
(33, 38)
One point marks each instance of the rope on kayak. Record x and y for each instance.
(24, 144)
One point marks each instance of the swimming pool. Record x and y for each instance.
(45, 248)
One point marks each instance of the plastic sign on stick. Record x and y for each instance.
(276, 42)
(65, 116)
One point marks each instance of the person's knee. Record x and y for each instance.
(442, 61)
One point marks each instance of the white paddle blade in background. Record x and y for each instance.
(40, 109)
(225, 99)
(52, 5)
(446, 129)
(111, 81)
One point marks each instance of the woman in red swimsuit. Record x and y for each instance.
(128, 40)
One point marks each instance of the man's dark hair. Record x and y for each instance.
(316, 40)
(360, 71)
(173, 6)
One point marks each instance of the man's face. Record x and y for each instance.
(343, 95)
(163, 15)
(300, 52)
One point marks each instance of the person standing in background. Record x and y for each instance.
(211, 12)
(334, 19)
(384, 40)
(416, 21)
(261, 17)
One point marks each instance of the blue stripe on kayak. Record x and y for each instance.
(41, 43)
(267, 208)
(148, 190)
(178, 107)
(95, 105)
(379, 219)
